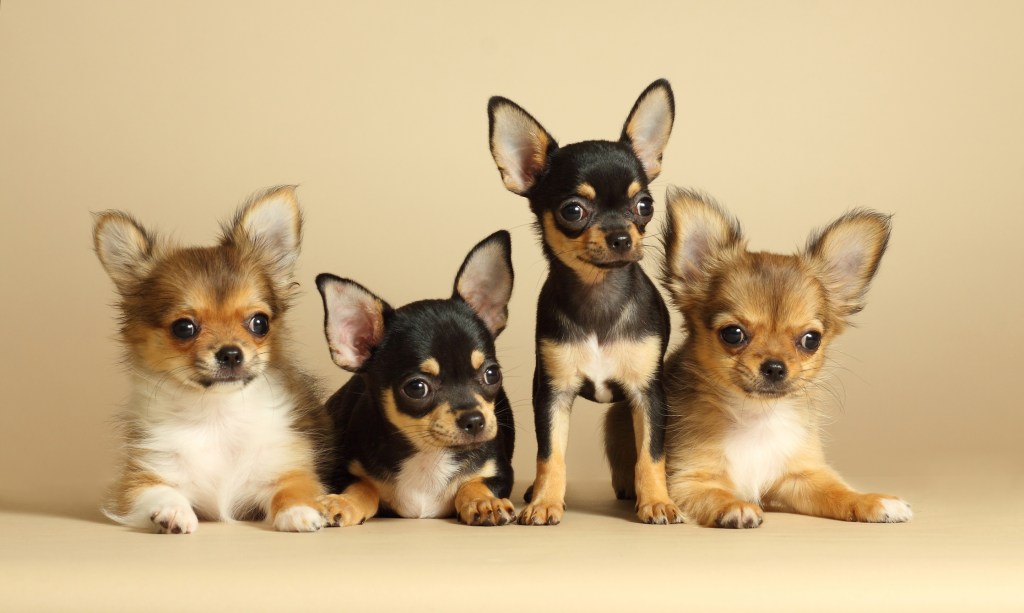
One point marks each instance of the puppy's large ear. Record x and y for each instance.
(519, 144)
(271, 222)
(485, 280)
(848, 252)
(649, 125)
(354, 320)
(697, 234)
(124, 247)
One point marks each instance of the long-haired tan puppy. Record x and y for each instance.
(743, 431)
(220, 424)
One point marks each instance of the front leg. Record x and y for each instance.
(143, 500)
(357, 503)
(821, 493)
(294, 506)
(707, 499)
(551, 410)
(653, 505)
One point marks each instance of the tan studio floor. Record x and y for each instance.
(964, 551)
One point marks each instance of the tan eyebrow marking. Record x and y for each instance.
(476, 359)
(587, 191)
(634, 189)
(431, 367)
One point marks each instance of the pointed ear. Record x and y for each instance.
(697, 233)
(271, 222)
(485, 280)
(354, 320)
(124, 247)
(649, 125)
(519, 144)
(848, 252)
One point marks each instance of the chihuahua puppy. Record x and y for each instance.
(602, 327)
(221, 424)
(424, 428)
(744, 416)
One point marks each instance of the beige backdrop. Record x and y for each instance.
(789, 112)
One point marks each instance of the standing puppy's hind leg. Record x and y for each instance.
(620, 447)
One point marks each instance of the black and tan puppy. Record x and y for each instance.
(424, 428)
(602, 327)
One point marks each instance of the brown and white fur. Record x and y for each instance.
(220, 424)
(744, 416)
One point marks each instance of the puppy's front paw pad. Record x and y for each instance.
(339, 511)
(300, 518)
(174, 519)
(542, 514)
(487, 512)
(660, 513)
(740, 515)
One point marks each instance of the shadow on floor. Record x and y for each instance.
(88, 511)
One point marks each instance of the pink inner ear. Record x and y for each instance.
(352, 344)
(486, 285)
(490, 310)
(355, 325)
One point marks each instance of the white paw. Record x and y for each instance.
(174, 519)
(895, 511)
(299, 518)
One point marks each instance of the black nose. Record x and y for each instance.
(470, 422)
(619, 241)
(228, 356)
(773, 370)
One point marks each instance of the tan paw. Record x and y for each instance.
(739, 515)
(879, 508)
(299, 518)
(487, 512)
(660, 512)
(542, 513)
(340, 511)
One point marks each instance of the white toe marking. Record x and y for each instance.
(895, 510)
(162, 509)
(298, 519)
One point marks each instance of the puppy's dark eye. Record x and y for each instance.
(733, 335)
(492, 375)
(417, 389)
(810, 341)
(184, 328)
(572, 212)
(259, 324)
(645, 207)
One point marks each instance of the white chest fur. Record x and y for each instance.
(629, 362)
(425, 486)
(760, 443)
(223, 450)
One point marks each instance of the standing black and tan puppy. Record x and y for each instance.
(424, 429)
(602, 327)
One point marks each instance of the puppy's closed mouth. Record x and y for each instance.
(612, 263)
(224, 379)
(767, 393)
(457, 443)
